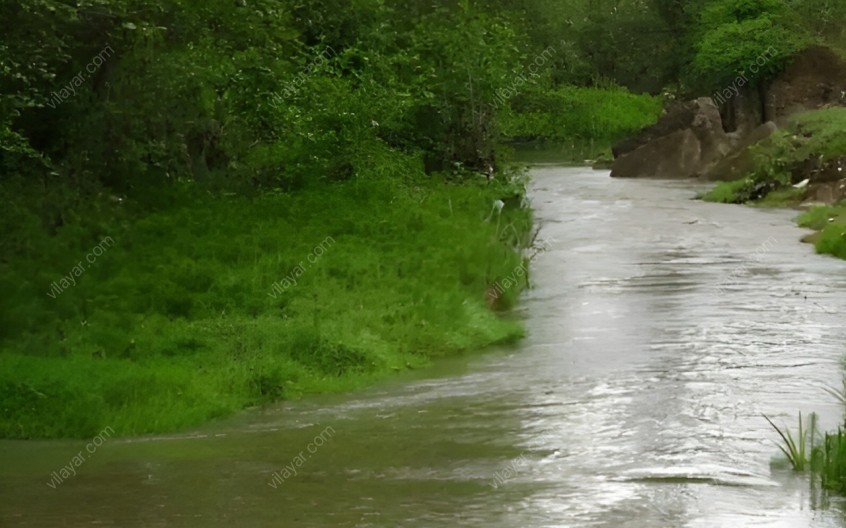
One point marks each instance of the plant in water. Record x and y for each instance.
(798, 450)
(830, 461)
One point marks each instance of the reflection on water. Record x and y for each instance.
(637, 399)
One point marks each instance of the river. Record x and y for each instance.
(661, 329)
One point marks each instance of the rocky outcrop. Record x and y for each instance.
(717, 146)
(666, 157)
(688, 140)
(740, 161)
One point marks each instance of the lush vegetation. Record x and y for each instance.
(782, 159)
(599, 116)
(782, 163)
(830, 222)
(200, 152)
(810, 450)
(216, 303)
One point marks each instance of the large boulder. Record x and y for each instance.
(687, 141)
(740, 161)
(815, 79)
(744, 112)
(672, 156)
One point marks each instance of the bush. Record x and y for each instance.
(596, 115)
(752, 38)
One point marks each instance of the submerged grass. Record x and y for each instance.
(832, 461)
(215, 303)
(823, 455)
(830, 456)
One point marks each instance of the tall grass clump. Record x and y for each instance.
(831, 464)
(830, 456)
(824, 456)
(799, 448)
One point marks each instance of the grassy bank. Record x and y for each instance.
(812, 143)
(212, 303)
(830, 224)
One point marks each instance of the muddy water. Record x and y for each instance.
(661, 329)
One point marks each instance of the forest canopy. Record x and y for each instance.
(275, 93)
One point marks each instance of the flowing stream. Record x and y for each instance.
(661, 329)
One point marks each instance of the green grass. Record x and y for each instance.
(832, 241)
(754, 192)
(730, 192)
(178, 323)
(824, 457)
(580, 116)
(818, 218)
(820, 133)
(831, 224)
(785, 197)
(830, 461)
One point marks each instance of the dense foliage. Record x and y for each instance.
(215, 143)
(279, 94)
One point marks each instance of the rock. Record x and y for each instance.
(688, 140)
(743, 113)
(679, 117)
(739, 162)
(691, 139)
(826, 193)
(676, 155)
(814, 79)
(708, 128)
